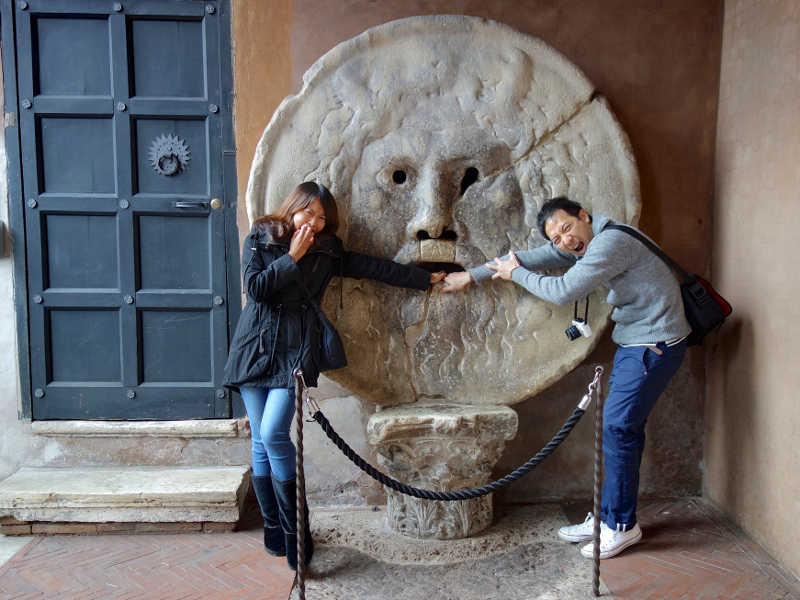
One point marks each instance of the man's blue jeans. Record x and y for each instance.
(637, 380)
(271, 412)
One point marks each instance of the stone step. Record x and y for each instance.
(145, 495)
(200, 428)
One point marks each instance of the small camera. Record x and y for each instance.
(578, 328)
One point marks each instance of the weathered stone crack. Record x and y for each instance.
(544, 138)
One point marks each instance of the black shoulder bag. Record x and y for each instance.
(704, 307)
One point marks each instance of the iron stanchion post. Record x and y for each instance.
(598, 475)
(299, 391)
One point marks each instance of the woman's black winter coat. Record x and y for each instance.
(278, 330)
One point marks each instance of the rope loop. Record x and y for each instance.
(301, 393)
(466, 493)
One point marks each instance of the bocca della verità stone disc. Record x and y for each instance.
(441, 137)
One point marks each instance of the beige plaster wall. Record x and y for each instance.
(262, 78)
(658, 64)
(752, 455)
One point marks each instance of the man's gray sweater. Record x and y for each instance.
(643, 291)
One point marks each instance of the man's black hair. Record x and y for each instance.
(558, 203)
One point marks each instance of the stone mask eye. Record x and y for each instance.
(470, 177)
(399, 176)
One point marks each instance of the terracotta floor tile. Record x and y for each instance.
(688, 552)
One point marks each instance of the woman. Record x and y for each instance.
(289, 258)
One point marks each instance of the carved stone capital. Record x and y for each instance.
(444, 448)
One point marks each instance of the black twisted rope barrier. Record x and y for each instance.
(466, 493)
(301, 391)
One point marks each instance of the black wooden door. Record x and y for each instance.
(122, 118)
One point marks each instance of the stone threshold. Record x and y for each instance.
(86, 500)
(12, 527)
(206, 428)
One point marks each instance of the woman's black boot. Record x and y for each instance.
(286, 493)
(273, 534)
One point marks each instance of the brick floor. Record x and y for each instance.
(688, 552)
(158, 567)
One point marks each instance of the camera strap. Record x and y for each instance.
(585, 311)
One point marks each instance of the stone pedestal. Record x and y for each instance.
(441, 447)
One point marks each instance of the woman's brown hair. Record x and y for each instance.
(303, 195)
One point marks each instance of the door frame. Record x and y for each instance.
(16, 213)
(16, 217)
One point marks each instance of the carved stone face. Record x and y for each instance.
(440, 137)
(448, 197)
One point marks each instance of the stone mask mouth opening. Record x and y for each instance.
(435, 267)
(446, 235)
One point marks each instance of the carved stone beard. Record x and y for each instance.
(455, 348)
(466, 340)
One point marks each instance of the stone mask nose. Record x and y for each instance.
(433, 215)
(435, 197)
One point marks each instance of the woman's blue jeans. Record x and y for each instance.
(271, 411)
(639, 377)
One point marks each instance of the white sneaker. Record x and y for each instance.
(612, 541)
(580, 532)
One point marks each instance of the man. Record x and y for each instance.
(650, 330)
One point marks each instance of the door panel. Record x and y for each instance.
(175, 346)
(65, 171)
(81, 251)
(121, 127)
(186, 265)
(84, 345)
(83, 71)
(181, 75)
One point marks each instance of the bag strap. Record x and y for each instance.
(651, 246)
